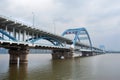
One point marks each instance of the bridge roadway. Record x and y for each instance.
(19, 38)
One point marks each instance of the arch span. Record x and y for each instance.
(7, 35)
(54, 41)
(77, 32)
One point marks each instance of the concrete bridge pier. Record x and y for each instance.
(18, 53)
(94, 53)
(86, 53)
(23, 55)
(60, 54)
(13, 56)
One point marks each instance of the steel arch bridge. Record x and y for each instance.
(77, 32)
(18, 38)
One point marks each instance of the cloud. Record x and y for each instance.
(100, 17)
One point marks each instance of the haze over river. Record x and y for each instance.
(42, 67)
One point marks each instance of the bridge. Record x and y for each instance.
(18, 38)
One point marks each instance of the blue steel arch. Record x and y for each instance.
(54, 41)
(6, 34)
(77, 32)
(1, 38)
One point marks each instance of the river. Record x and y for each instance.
(42, 67)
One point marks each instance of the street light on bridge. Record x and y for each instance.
(33, 19)
(54, 26)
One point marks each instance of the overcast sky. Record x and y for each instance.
(100, 17)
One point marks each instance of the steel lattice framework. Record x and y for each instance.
(77, 32)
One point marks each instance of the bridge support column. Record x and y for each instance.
(13, 56)
(18, 53)
(23, 55)
(58, 54)
(85, 53)
(94, 53)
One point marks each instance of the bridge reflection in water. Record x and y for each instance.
(17, 73)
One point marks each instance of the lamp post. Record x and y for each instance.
(33, 19)
(54, 26)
